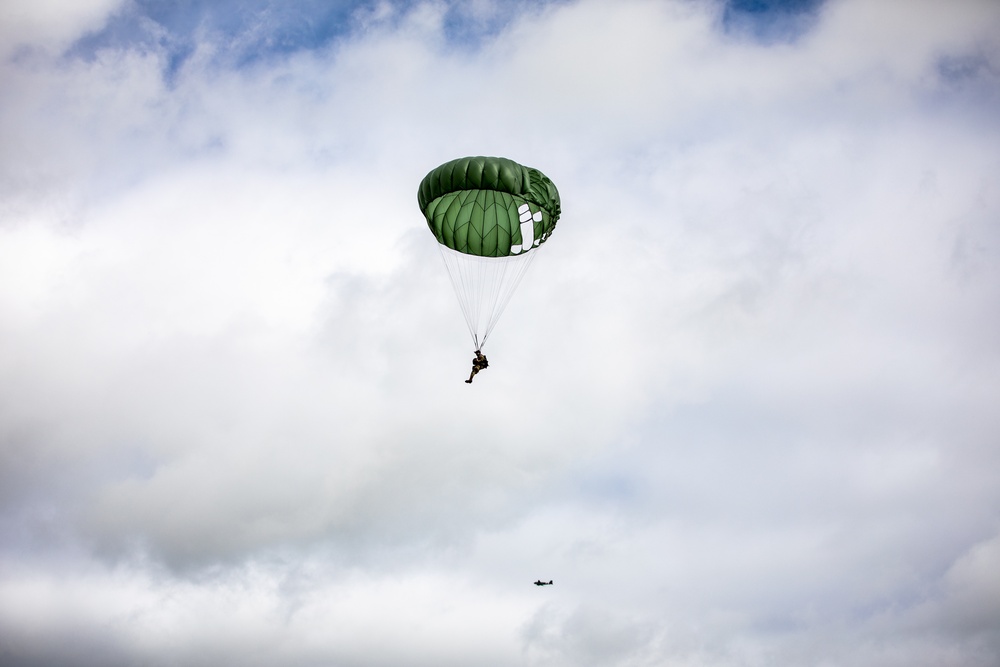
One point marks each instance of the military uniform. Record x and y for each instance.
(478, 364)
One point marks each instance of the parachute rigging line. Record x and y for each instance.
(484, 287)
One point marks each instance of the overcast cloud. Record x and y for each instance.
(743, 410)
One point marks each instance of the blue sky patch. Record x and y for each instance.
(244, 32)
(770, 21)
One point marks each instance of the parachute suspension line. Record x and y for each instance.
(484, 287)
(464, 288)
(507, 285)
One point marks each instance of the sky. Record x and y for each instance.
(742, 410)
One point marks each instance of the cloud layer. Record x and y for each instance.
(742, 409)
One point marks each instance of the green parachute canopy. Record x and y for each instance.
(487, 214)
(482, 206)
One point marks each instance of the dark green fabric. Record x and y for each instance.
(471, 204)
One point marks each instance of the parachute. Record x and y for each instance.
(489, 216)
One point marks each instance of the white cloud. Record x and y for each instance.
(49, 24)
(741, 410)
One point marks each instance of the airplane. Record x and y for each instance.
(543, 583)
